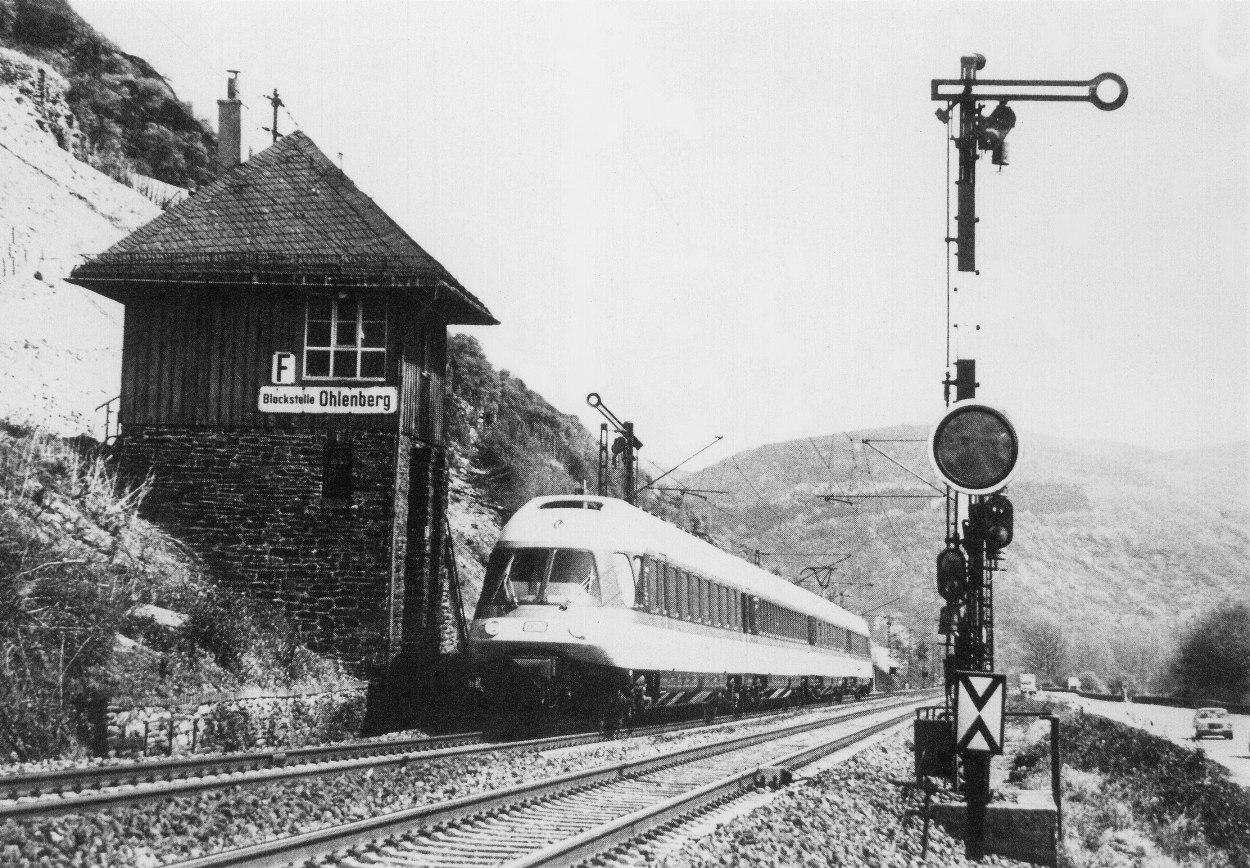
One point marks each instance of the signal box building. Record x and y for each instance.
(282, 382)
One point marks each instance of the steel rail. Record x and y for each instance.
(347, 837)
(596, 842)
(149, 771)
(73, 804)
(190, 775)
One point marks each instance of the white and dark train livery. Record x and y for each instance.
(592, 603)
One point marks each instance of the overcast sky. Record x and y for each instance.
(728, 218)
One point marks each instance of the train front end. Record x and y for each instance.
(553, 591)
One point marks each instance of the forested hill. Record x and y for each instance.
(1116, 547)
(122, 117)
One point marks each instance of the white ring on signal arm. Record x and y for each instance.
(958, 408)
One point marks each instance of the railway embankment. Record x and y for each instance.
(1129, 799)
(109, 625)
(1132, 793)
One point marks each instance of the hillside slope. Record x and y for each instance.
(1118, 546)
(123, 115)
(59, 345)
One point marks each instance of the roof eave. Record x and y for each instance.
(457, 305)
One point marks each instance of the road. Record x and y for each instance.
(1177, 725)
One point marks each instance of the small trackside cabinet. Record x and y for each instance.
(935, 748)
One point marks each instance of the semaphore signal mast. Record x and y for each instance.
(975, 450)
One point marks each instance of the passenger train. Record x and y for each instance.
(593, 605)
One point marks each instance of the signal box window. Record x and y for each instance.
(345, 339)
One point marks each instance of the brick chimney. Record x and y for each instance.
(230, 126)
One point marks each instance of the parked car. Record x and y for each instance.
(1028, 684)
(1074, 683)
(1214, 722)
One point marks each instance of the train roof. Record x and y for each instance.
(591, 522)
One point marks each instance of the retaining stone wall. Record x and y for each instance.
(249, 503)
(236, 722)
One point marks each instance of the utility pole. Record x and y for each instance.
(276, 102)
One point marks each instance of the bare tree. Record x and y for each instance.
(1045, 648)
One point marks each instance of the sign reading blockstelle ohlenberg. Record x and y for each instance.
(327, 399)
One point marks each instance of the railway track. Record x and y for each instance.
(102, 787)
(120, 774)
(567, 820)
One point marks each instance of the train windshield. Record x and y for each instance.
(538, 576)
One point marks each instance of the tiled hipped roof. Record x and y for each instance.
(287, 212)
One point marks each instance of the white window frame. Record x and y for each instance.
(336, 303)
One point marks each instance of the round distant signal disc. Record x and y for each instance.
(974, 448)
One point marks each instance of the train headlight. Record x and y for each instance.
(491, 627)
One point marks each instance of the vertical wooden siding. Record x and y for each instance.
(422, 381)
(200, 358)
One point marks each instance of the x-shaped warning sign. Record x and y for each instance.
(979, 719)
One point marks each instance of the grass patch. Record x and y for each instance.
(1126, 789)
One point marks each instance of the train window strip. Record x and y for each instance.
(683, 595)
(665, 589)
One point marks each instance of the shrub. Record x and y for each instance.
(1213, 660)
(229, 729)
(1163, 783)
(342, 721)
(1091, 683)
(523, 445)
(65, 606)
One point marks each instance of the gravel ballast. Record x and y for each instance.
(182, 828)
(855, 814)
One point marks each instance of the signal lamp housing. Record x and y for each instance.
(992, 519)
(952, 574)
(993, 132)
(974, 448)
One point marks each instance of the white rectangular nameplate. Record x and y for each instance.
(327, 399)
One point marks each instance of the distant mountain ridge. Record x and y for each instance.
(1118, 545)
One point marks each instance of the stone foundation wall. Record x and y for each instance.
(227, 723)
(250, 504)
